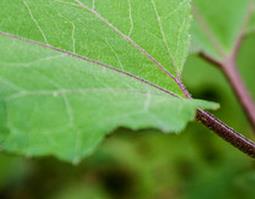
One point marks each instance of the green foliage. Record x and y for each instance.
(216, 29)
(73, 71)
(140, 164)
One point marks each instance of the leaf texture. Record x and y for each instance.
(72, 71)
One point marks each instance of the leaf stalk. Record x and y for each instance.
(221, 129)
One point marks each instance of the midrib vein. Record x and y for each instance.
(126, 38)
(88, 60)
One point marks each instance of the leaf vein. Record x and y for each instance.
(162, 32)
(88, 60)
(127, 38)
(35, 21)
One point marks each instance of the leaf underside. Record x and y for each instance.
(73, 71)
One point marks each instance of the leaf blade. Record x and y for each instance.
(50, 114)
(71, 73)
(217, 29)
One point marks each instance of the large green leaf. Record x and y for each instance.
(72, 71)
(218, 25)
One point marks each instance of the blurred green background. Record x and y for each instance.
(148, 164)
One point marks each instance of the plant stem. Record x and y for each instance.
(221, 129)
(230, 71)
(240, 90)
(225, 132)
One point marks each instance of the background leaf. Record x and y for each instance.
(218, 27)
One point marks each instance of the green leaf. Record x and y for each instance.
(251, 24)
(72, 71)
(218, 26)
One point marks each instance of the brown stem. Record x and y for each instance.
(228, 134)
(221, 129)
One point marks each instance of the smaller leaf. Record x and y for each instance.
(219, 25)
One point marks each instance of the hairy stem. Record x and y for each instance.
(223, 130)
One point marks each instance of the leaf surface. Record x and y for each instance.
(72, 71)
(218, 26)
